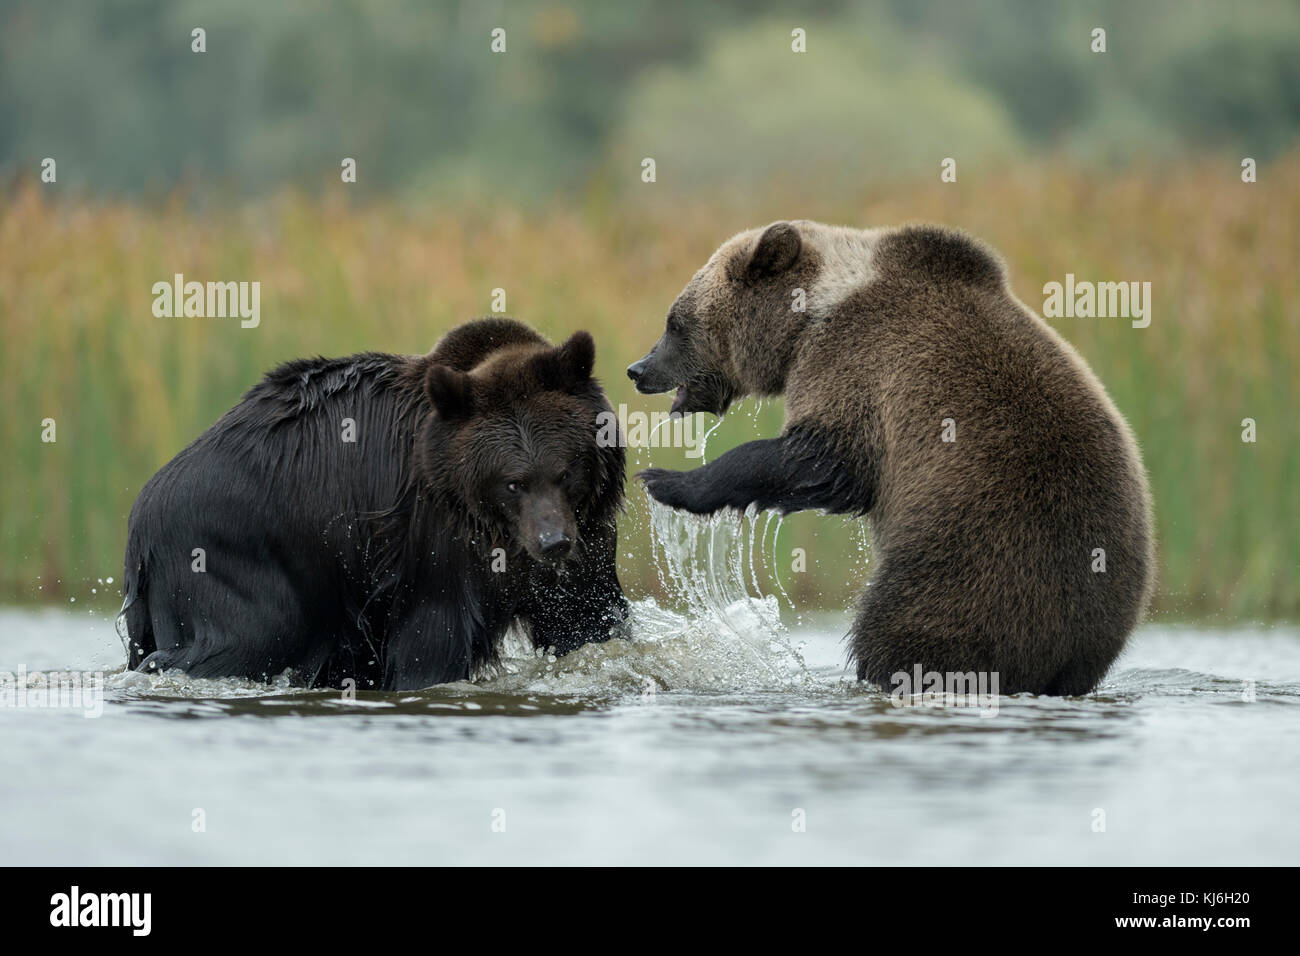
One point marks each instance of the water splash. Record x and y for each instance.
(708, 566)
(650, 439)
(178, 684)
(751, 517)
(776, 565)
(704, 440)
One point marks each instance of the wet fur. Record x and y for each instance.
(372, 561)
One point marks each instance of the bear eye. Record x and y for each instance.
(564, 476)
(512, 487)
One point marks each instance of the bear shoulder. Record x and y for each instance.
(301, 385)
(941, 254)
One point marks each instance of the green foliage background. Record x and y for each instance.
(522, 171)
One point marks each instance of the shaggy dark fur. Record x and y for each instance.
(982, 547)
(374, 560)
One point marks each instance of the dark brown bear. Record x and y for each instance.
(1009, 510)
(385, 518)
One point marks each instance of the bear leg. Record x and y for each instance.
(796, 472)
(208, 628)
(900, 627)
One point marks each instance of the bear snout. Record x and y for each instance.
(636, 371)
(554, 545)
(648, 375)
(547, 526)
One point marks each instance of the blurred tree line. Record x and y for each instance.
(410, 89)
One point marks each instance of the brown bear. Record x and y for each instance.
(385, 518)
(1009, 511)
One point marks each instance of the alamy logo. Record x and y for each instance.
(922, 688)
(211, 300)
(1099, 300)
(103, 909)
(647, 430)
(53, 690)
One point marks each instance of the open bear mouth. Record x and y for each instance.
(688, 401)
(679, 401)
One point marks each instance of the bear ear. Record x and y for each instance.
(578, 355)
(450, 391)
(569, 364)
(778, 248)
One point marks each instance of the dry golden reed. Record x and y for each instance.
(128, 390)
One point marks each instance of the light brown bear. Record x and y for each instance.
(1009, 511)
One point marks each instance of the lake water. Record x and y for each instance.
(710, 734)
(748, 733)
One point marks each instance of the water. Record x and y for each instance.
(707, 736)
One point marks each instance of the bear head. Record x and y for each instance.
(736, 328)
(732, 330)
(513, 438)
